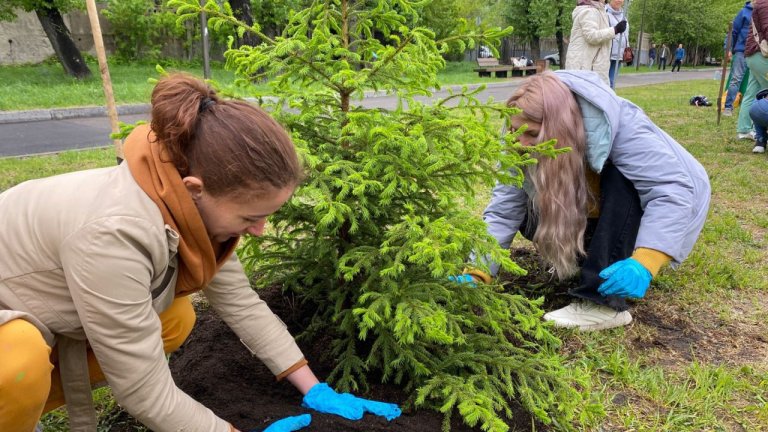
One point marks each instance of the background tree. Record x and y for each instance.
(367, 243)
(488, 13)
(141, 28)
(536, 19)
(440, 16)
(699, 29)
(271, 15)
(49, 12)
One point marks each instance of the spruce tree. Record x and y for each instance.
(386, 213)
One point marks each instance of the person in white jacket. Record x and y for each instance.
(591, 36)
(625, 201)
(615, 12)
(97, 267)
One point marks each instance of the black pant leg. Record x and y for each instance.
(611, 237)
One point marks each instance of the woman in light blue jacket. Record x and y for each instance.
(625, 201)
(614, 10)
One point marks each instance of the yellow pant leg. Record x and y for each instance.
(25, 375)
(177, 322)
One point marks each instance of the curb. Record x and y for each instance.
(67, 113)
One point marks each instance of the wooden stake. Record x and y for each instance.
(722, 73)
(98, 42)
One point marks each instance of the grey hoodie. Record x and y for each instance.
(673, 187)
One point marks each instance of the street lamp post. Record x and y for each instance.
(206, 43)
(640, 36)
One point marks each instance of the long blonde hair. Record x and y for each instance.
(559, 204)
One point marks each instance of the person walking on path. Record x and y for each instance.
(625, 201)
(742, 28)
(651, 56)
(663, 54)
(96, 268)
(758, 69)
(591, 36)
(679, 56)
(615, 12)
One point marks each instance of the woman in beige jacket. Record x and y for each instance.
(96, 266)
(591, 36)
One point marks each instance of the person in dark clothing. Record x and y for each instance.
(679, 56)
(663, 57)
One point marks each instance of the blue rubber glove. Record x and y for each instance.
(463, 279)
(289, 424)
(324, 399)
(626, 278)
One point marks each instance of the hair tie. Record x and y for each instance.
(205, 103)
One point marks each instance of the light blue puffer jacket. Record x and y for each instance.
(673, 186)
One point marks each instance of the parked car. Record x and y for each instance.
(553, 59)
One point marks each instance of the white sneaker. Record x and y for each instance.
(759, 148)
(588, 316)
(749, 135)
(728, 112)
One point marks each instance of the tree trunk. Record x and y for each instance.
(535, 47)
(242, 11)
(61, 41)
(560, 39)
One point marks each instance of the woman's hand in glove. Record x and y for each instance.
(324, 399)
(620, 27)
(626, 278)
(289, 424)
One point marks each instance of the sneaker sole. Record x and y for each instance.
(624, 320)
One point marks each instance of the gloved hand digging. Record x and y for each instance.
(324, 399)
(289, 424)
(620, 27)
(625, 278)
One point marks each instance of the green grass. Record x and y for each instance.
(17, 170)
(696, 357)
(46, 85)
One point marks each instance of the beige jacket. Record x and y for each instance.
(590, 43)
(87, 255)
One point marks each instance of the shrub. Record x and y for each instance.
(384, 217)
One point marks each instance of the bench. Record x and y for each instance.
(524, 70)
(490, 65)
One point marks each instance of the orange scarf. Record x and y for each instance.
(199, 259)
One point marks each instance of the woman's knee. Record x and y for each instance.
(25, 375)
(177, 322)
(758, 112)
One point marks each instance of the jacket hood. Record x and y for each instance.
(600, 108)
(595, 3)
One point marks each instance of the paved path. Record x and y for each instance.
(46, 131)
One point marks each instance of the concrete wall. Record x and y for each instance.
(23, 41)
